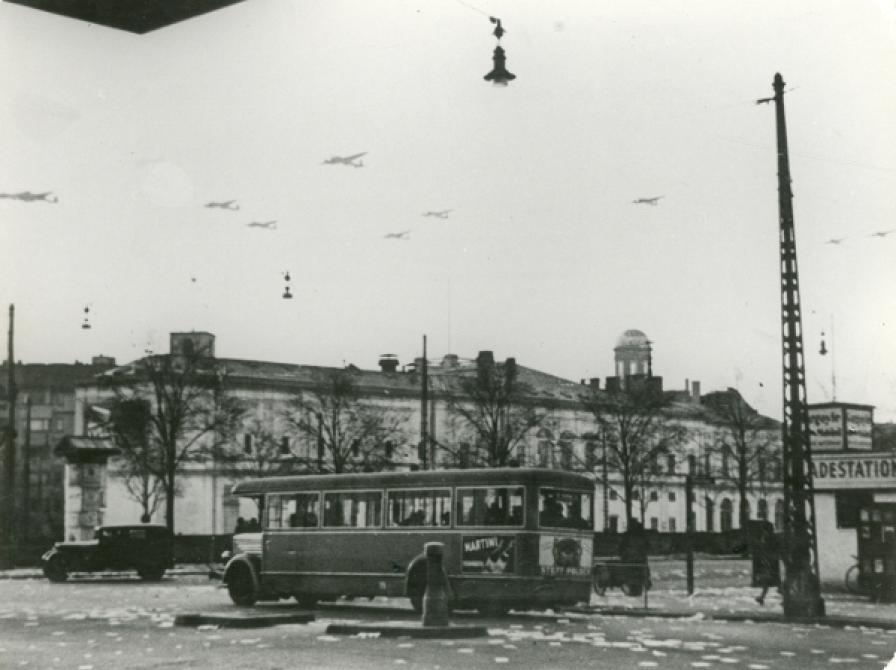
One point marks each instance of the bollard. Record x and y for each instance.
(435, 600)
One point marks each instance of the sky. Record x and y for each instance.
(544, 256)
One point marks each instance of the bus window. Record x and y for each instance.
(564, 509)
(355, 509)
(420, 508)
(490, 507)
(298, 510)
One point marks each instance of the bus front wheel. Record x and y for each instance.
(241, 587)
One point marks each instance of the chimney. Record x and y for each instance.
(695, 391)
(594, 383)
(486, 358)
(388, 362)
(687, 385)
(450, 361)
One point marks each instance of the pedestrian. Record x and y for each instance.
(633, 552)
(766, 568)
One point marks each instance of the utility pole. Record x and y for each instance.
(423, 451)
(26, 474)
(802, 590)
(9, 462)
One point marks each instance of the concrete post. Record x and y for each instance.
(435, 599)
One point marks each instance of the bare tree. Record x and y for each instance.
(350, 433)
(745, 442)
(636, 435)
(257, 452)
(128, 423)
(190, 411)
(496, 409)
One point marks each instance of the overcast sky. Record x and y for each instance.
(543, 256)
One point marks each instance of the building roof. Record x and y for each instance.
(632, 338)
(50, 375)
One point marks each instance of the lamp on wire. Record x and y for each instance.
(499, 74)
(286, 294)
(85, 325)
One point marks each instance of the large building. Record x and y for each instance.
(566, 435)
(44, 413)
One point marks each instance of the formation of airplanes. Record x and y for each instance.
(403, 235)
(443, 214)
(28, 196)
(268, 225)
(347, 160)
(232, 205)
(648, 201)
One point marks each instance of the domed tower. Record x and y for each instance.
(633, 354)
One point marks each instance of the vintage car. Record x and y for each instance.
(146, 548)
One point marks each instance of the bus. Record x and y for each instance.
(514, 538)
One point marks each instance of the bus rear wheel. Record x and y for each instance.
(241, 587)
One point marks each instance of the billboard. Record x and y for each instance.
(826, 428)
(564, 556)
(494, 554)
(858, 429)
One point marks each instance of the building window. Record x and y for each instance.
(761, 466)
(672, 525)
(847, 505)
(613, 494)
(247, 443)
(545, 449)
(565, 455)
(710, 515)
(762, 509)
(707, 465)
(725, 512)
(779, 515)
(692, 464)
(389, 449)
(284, 446)
(613, 523)
(670, 464)
(654, 496)
(725, 461)
(356, 448)
(590, 456)
(654, 523)
(59, 425)
(39, 425)
(671, 496)
(636, 494)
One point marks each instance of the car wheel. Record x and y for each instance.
(241, 587)
(56, 569)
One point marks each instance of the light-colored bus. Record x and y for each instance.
(514, 538)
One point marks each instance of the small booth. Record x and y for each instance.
(855, 498)
(85, 483)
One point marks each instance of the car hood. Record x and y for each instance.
(78, 544)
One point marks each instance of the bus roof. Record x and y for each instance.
(417, 478)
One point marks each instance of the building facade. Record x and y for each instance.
(567, 435)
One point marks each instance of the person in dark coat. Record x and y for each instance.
(633, 551)
(766, 557)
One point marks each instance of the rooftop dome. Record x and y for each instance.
(633, 338)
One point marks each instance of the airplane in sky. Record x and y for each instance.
(648, 201)
(403, 235)
(439, 215)
(268, 225)
(882, 233)
(347, 160)
(28, 196)
(229, 204)
(835, 240)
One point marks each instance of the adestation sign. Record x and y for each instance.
(854, 471)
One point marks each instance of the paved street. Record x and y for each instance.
(124, 623)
